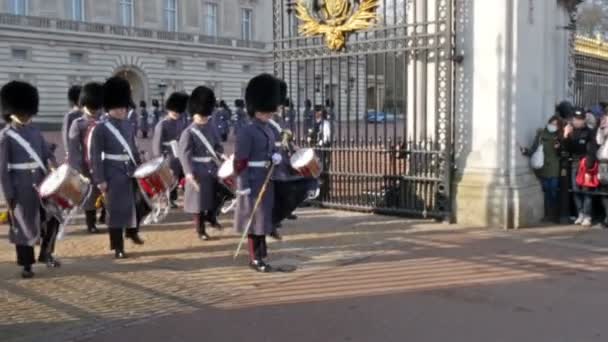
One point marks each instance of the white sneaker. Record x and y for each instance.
(586, 222)
(580, 219)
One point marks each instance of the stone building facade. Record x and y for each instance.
(159, 45)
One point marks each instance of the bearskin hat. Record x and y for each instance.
(177, 102)
(262, 94)
(91, 96)
(155, 103)
(143, 104)
(117, 93)
(565, 109)
(74, 94)
(19, 98)
(202, 101)
(239, 103)
(283, 89)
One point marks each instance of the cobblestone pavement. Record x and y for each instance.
(355, 262)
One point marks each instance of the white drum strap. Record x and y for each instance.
(27, 147)
(275, 125)
(121, 140)
(205, 142)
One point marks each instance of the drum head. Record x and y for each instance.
(54, 180)
(226, 170)
(149, 167)
(302, 157)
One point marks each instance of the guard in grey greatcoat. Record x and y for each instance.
(25, 160)
(114, 158)
(254, 152)
(241, 118)
(144, 117)
(91, 102)
(168, 132)
(200, 153)
(133, 118)
(74, 113)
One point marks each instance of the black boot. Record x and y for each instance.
(102, 216)
(27, 272)
(91, 217)
(117, 243)
(260, 266)
(275, 234)
(212, 219)
(292, 217)
(49, 260)
(199, 222)
(133, 234)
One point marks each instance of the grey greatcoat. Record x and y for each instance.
(282, 172)
(68, 119)
(255, 143)
(133, 118)
(241, 120)
(78, 153)
(168, 130)
(120, 197)
(18, 185)
(191, 149)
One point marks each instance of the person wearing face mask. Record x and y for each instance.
(79, 139)
(579, 142)
(549, 137)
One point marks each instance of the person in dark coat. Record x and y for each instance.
(320, 138)
(69, 117)
(200, 153)
(242, 119)
(91, 102)
(157, 112)
(114, 158)
(579, 141)
(167, 134)
(254, 153)
(25, 160)
(144, 117)
(309, 115)
(133, 118)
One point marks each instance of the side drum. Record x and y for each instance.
(155, 177)
(306, 163)
(65, 188)
(226, 174)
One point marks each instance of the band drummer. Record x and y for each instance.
(166, 136)
(114, 158)
(25, 160)
(200, 152)
(254, 153)
(79, 138)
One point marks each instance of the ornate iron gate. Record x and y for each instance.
(389, 98)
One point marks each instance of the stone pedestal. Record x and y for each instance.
(514, 72)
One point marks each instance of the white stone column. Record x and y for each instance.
(503, 95)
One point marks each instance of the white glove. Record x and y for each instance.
(245, 192)
(276, 159)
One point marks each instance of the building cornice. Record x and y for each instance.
(591, 47)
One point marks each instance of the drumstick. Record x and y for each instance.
(258, 201)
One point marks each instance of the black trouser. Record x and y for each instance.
(173, 196)
(90, 218)
(288, 195)
(25, 254)
(325, 179)
(257, 247)
(199, 223)
(117, 241)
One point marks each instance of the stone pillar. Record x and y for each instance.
(505, 91)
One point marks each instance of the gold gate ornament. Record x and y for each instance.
(335, 19)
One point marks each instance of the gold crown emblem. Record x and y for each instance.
(335, 19)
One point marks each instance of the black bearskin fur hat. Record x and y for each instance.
(202, 101)
(74, 94)
(262, 94)
(239, 103)
(565, 109)
(116, 93)
(283, 88)
(18, 98)
(91, 96)
(177, 102)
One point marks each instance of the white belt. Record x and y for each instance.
(115, 157)
(278, 144)
(168, 143)
(23, 166)
(202, 159)
(263, 164)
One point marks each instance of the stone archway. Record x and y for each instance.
(138, 81)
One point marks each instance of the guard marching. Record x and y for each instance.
(200, 152)
(25, 159)
(166, 136)
(114, 158)
(74, 113)
(254, 153)
(79, 141)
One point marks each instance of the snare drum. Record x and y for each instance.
(306, 163)
(65, 188)
(155, 177)
(226, 174)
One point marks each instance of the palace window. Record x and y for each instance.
(126, 12)
(246, 24)
(211, 65)
(78, 57)
(19, 7)
(20, 54)
(211, 19)
(171, 15)
(77, 10)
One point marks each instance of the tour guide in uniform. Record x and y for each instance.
(254, 152)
